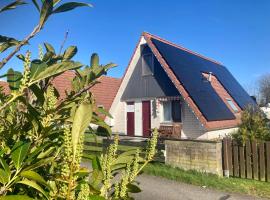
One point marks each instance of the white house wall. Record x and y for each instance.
(138, 118)
(191, 128)
(218, 133)
(119, 119)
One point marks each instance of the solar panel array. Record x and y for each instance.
(188, 68)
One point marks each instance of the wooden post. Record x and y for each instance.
(248, 159)
(242, 161)
(225, 157)
(267, 150)
(235, 159)
(229, 152)
(254, 160)
(261, 161)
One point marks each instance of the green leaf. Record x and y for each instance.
(94, 60)
(104, 112)
(37, 67)
(14, 79)
(70, 6)
(46, 153)
(32, 175)
(82, 119)
(70, 52)
(34, 185)
(19, 152)
(4, 176)
(16, 197)
(46, 11)
(21, 57)
(49, 47)
(96, 177)
(107, 129)
(96, 197)
(55, 69)
(133, 188)
(12, 5)
(48, 56)
(7, 42)
(38, 93)
(36, 5)
(5, 165)
(96, 163)
(40, 163)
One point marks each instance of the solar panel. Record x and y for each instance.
(188, 68)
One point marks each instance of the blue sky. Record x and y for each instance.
(235, 33)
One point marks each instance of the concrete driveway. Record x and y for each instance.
(157, 188)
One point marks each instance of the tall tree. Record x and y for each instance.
(264, 86)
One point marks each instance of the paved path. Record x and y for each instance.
(157, 188)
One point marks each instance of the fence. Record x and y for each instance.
(250, 160)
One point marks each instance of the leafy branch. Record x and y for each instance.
(46, 11)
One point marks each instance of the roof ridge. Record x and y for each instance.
(146, 34)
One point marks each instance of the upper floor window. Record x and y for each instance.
(147, 64)
(232, 105)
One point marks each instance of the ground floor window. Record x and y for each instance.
(172, 111)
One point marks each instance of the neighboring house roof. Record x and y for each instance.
(206, 99)
(5, 87)
(103, 92)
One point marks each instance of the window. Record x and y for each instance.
(171, 111)
(147, 64)
(167, 114)
(230, 102)
(176, 111)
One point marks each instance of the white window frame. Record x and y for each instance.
(144, 63)
(170, 108)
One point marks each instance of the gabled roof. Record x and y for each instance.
(185, 69)
(104, 92)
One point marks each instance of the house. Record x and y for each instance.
(103, 92)
(169, 87)
(266, 110)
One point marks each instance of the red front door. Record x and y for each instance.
(146, 118)
(130, 119)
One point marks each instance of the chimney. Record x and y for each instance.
(210, 76)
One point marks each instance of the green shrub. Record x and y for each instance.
(254, 125)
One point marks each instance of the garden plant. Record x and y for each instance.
(42, 136)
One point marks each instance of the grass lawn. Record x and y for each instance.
(234, 185)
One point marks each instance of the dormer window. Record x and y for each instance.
(147, 64)
(232, 105)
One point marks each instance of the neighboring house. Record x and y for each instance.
(166, 85)
(266, 110)
(103, 92)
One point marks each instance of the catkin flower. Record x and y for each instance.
(40, 52)
(151, 149)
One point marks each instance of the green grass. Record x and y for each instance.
(234, 185)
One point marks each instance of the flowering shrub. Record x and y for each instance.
(42, 137)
